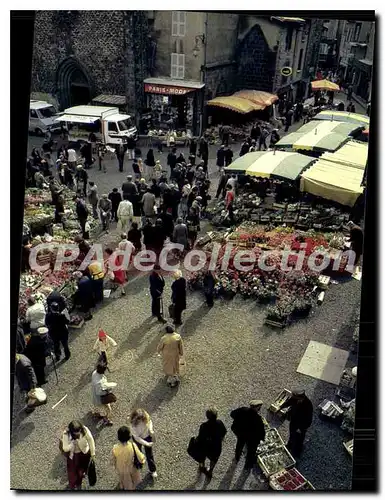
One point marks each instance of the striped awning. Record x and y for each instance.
(332, 181)
(319, 136)
(352, 154)
(343, 116)
(269, 163)
(237, 104)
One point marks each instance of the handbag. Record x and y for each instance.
(91, 473)
(108, 398)
(65, 453)
(171, 310)
(137, 464)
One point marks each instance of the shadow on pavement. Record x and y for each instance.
(84, 379)
(145, 483)
(134, 337)
(23, 431)
(59, 469)
(160, 394)
(241, 479)
(192, 323)
(227, 478)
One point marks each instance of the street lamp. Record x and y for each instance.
(199, 40)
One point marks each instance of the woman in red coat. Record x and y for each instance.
(120, 275)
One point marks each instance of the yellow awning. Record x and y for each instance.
(257, 96)
(324, 85)
(352, 154)
(236, 104)
(333, 181)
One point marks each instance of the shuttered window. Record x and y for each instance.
(177, 66)
(178, 23)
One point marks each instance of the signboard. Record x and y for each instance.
(166, 89)
(286, 71)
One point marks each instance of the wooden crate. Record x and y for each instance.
(275, 407)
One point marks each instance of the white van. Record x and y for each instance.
(106, 124)
(41, 117)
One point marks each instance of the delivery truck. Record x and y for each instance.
(98, 124)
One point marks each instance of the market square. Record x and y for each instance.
(248, 219)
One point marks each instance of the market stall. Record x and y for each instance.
(333, 181)
(40, 226)
(237, 104)
(257, 96)
(288, 293)
(352, 154)
(319, 136)
(343, 116)
(280, 164)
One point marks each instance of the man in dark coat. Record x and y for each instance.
(130, 190)
(250, 431)
(204, 152)
(115, 197)
(255, 132)
(172, 161)
(156, 291)
(38, 348)
(178, 297)
(120, 151)
(57, 297)
(221, 156)
(228, 156)
(86, 152)
(222, 184)
(210, 437)
(244, 148)
(57, 324)
(300, 415)
(82, 213)
(85, 294)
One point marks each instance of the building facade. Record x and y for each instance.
(80, 54)
(355, 58)
(168, 64)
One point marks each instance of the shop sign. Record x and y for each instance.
(286, 71)
(165, 89)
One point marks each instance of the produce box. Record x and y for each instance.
(272, 440)
(323, 281)
(289, 480)
(274, 461)
(330, 409)
(283, 396)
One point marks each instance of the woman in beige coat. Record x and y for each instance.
(171, 350)
(123, 455)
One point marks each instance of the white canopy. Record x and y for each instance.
(76, 119)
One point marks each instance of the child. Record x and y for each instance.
(103, 344)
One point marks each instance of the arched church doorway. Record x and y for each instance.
(74, 85)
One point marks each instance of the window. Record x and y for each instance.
(125, 124)
(48, 112)
(112, 127)
(299, 67)
(178, 23)
(33, 113)
(177, 66)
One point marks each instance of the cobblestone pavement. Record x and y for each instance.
(231, 358)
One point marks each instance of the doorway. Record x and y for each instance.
(79, 94)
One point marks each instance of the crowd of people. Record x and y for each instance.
(136, 439)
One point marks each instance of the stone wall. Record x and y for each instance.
(94, 39)
(256, 62)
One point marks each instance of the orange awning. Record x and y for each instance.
(324, 85)
(236, 104)
(257, 96)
